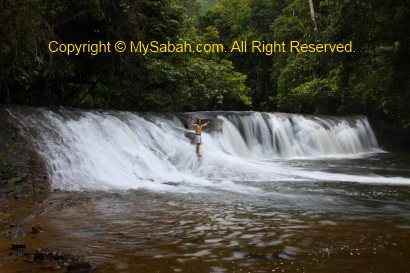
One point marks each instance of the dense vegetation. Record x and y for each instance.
(374, 80)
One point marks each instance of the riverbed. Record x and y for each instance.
(262, 226)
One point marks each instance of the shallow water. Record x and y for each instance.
(281, 226)
(271, 193)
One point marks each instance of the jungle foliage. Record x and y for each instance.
(374, 80)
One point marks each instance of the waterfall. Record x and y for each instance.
(289, 135)
(297, 135)
(111, 149)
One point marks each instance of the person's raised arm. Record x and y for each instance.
(190, 122)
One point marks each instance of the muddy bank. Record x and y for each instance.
(21, 169)
(23, 178)
(24, 195)
(24, 238)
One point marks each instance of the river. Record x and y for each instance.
(272, 192)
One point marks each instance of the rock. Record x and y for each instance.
(56, 267)
(80, 267)
(70, 258)
(37, 228)
(15, 180)
(18, 246)
(55, 255)
(39, 256)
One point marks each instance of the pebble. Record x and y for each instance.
(37, 228)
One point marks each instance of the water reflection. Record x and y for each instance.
(277, 226)
(292, 228)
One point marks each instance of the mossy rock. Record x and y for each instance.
(6, 171)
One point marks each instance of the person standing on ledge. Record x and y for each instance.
(198, 131)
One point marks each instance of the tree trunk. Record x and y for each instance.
(312, 14)
(174, 101)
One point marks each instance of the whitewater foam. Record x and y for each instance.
(103, 150)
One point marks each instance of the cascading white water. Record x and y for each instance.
(256, 133)
(285, 136)
(301, 136)
(123, 150)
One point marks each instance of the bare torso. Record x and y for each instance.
(198, 128)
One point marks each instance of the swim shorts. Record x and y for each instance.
(198, 139)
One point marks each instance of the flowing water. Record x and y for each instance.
(272, 192)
